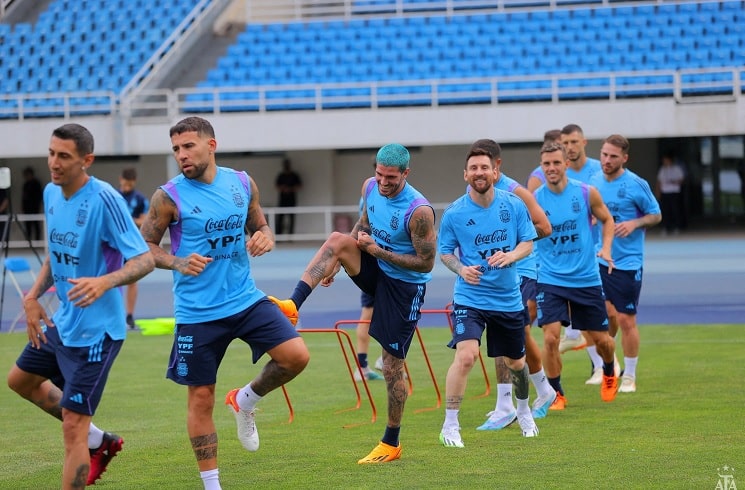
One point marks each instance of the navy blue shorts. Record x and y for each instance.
(396, 304)
(587, 307)
(528, 289)
(198, 348)
(622, 288)
(366, 301)
(80, 372)
(505, 331)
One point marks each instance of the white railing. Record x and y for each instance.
(705, 84)
(272, 10)
(324, 220)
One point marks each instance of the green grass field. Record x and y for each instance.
(684, 423)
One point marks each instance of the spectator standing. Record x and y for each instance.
(288, 183)
(31, 199)
(669, 189)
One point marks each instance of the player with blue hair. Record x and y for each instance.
(389, 255)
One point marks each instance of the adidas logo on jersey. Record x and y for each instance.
(470, 222)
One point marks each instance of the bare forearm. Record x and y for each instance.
(648, 220)
(416, 263)
(133, 270)
(451, 262)
(43, 282)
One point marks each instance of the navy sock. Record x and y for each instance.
(363, 359)
(556, 384)
(391, 436)
(608, 368)
(300, 294)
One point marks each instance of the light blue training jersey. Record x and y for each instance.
(90, 234)
(627, 197)
(527, 266)
(212, 219)
(389, 227)
(478, 233)
(567, 256)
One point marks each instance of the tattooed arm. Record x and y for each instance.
(423, 238)
(262, 237)
(163, 212)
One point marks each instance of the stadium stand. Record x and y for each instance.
(387, 53)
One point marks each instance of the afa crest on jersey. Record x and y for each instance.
(394, 222)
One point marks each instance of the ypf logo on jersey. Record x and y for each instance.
(726, 478)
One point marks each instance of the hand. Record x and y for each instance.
(605, 255)
(500, 259)
(86, 290)
(35, 318)
(193, 265)
(364, 241)
(471, 274)
(328, 280)
(259, 244)
(624, 229)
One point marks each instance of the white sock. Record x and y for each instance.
(95, 437)
(629, 366)
(504, 398)
(211, 479)
(540, 381)
(597, 361)
(451, 418)
(523, 406)
(247, 398)
(570, 333)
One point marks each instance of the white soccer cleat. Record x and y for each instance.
(628, 385)
(379, 363)
(450, 437)
(566, 344)
(596, 378)
(527, 424)
(246, 421)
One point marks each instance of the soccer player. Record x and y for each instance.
(504, 412)
(208, 210)
(582, 168)
(389, 254)
(63, 369)
(137, 204)
(634, 208)
(568, 276)
(491, 229)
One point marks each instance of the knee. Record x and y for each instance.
(515, 364)
(465, 359)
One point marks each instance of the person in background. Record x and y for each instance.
(669, 190)
(31, 200)
(138, 206)
(288, 183)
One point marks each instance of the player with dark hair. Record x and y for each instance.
(634, 209)
(569, 283)
(208, 211)
(389, 255)
(491, 229)
(94, 247)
